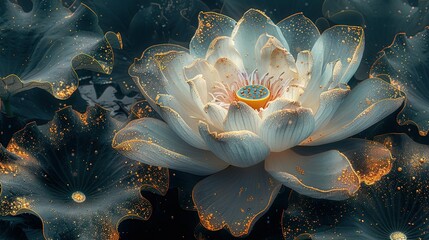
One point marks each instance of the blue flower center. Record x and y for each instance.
(255, 96)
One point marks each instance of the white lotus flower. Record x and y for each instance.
(250, 91)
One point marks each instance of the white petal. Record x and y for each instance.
(210, 26)
(171, 65)
(251, 26)
(223, 47)
(202, 67)
(287, 128)
(369, 102)
(300, 33)
(371, 160)
(228, 72)
(343, 43)
(216, 114)
(179, 120)
(263, 49)
(304, 65)
(152, 142)
(242, 117)
(315, 87)
(277, 105)
(235, 198)
(198, 90)
(327, 175)
(238, 148)
(329, 103)
(147, 75)
(282, 66)
(293, 93)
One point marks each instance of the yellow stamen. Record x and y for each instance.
(78, 197)
(398, 236)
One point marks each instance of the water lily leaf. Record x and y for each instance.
(45, 47)
(67, 173)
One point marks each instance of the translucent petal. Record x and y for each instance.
(304, 65)
(223, 47)
(173, 80)
(152, 142)
(300, 33)
(325, 174)
(282, 66)
(411, 158)
(343, 43)
(367, 103)
(329, 103)
(235, 198)
(210, 26)
(228, 71)
(286, 128)
(180, 120)
(242, 117)
(253, 24)
(238, 148)
(371, 160)
(147, 75)
(263, 49)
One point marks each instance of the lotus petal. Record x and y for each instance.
(210, 26)
(327, 174)
(300, 33)
(286, 128)
(152, 142)
(238, 148)
(367, 103)
(246, 33)
(235, 198)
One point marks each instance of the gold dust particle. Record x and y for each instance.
(399, 169)
(300, 170)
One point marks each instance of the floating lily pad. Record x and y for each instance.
(45, 46)
(67, 173)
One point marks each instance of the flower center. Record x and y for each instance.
(398, 236)
(78, 197)
(255, 96)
